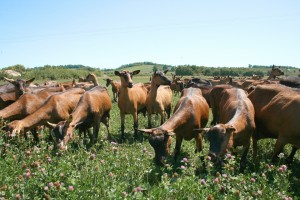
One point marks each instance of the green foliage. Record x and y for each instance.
(18, 68)
(49, 72)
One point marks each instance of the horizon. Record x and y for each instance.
(106, 34)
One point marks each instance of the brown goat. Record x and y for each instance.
(115, 87)
(20, 87)
(87, 85)
(277, 113)
(190, 112)
(159, 99)
(28, 103)
(55, 109)
(132, 99)
(275, 71)
(236, 125)
(93, 107)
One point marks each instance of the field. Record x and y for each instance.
(125, 170)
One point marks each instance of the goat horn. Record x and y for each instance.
(51, 124)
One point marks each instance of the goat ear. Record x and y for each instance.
(29, 81)
(230, 129)
(171, 133)
(136, 72)
(12, 81)
(166, 71)
(149, 131)
(51, 124)
(117, 73)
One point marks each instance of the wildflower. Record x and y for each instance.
(113, 143)
(92, 157)
(216, 180)
(281, 155)
(61, 174)
(224, 175)
(46, 188)
(208, 158)
(203, 182)
(182, 167)
(18, 196)
(27, 175)
(114, 149)
(124, 194)
(228, 156)
(110, 174)
(49, 159)
(71, 188)
(259, 192)
(50, 184)
(185, 160)
(57, 184)
(138, 189)
(252, 180)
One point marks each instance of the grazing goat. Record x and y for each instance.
(28, 103)
(190, 112)
(115, 87)
(277, 113)
(132, 99)
(236, 125)
(159, 98)
(55, 109)
(93, 107)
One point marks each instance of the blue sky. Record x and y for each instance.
(109, 33)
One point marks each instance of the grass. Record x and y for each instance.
(125, 170)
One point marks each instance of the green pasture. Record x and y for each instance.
(125, 170)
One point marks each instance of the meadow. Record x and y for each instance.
(125, 169)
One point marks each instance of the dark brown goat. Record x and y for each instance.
(132, 99)
(93, 107)
(190, 112)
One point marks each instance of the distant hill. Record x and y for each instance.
(145, 67)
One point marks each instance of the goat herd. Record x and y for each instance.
(243, 111)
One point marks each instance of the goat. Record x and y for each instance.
(93, 107)
(236, 125)
(159, 98)
(132, 99)
(275, 72)
(87, 85)
(20, 87)
(56, 108)
(28, 103)
(115, 87)
(190, 112)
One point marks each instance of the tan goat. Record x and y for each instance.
(115, 87)
(93, 107)
(159, 99)
(132, 99)
(190, 112)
